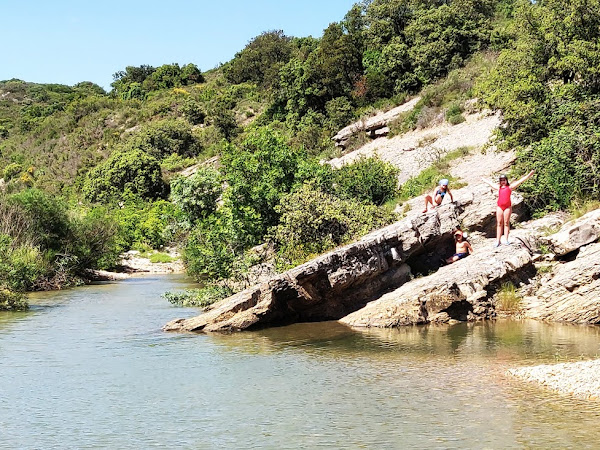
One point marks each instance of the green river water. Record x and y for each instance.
(90, 368)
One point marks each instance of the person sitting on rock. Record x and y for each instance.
(463, 247)
(438, 195)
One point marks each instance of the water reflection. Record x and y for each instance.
(90, 368)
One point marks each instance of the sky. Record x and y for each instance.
(67, 42)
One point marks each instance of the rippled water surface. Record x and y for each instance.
(90, 368)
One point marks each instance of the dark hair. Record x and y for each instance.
(504, 177)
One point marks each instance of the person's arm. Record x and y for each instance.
(451, 197)
(490, 184)
(470, 248)
(517, 183)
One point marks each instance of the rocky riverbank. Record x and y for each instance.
(580, 379)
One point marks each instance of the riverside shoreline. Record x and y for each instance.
(579, 379)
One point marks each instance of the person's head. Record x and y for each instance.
(503, 179)
(444, 184)
(458, 235)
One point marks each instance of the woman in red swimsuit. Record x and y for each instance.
(504, 208)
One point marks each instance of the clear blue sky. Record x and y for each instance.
(67, 41)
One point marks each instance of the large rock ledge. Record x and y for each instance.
(579, 379)
(340, 282)
(457, 291)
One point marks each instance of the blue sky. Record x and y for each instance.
(66, 41)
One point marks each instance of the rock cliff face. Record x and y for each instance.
(571, 293)
(344, 280)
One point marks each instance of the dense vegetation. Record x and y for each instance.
(88, 174)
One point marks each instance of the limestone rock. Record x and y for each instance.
(455, 291)
(576, 234)
(572, 294)
(331, 285)
(372, 124)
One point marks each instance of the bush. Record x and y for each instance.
(133, 171)
(202, 297)
(197, 195)
(367, 180)
(12, 170)
(46, 215)
(144, 223)
(165, 137)
(313, 222)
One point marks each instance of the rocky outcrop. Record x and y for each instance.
(571, 293)
(375, 126)
(344, 280)
(576, 234)
(457, 291)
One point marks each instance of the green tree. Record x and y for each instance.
(261, 60)
(133, 171)
(197, 195)
(259, 173)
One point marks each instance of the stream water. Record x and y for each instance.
(90, 368)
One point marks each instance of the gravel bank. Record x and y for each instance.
(581, 379)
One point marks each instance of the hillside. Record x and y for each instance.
(89, 174)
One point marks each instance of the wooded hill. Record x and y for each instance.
(89, 174)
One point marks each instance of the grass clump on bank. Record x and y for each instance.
(508, 299)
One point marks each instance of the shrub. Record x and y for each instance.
(313, 222)
(161, 258)
(367, 180)
(162, 138)
(133, 171)
(192, 111)
(12, 170)
(509, 299)
(202, 297)
(46, 215)
(197, 195)
(10, 300)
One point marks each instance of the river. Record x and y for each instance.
(91, 368)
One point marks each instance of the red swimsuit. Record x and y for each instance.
(504, 197)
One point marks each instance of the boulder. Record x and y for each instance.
(576, 234)
(373, 123)
(456, 291)
(572, 293)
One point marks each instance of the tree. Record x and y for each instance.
(197, 195)
(261, 60)
(133, 171)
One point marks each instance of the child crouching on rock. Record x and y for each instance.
(463, 248)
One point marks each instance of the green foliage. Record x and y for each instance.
(260, 60)
(46, 214)
(216, 243)
(313, 222)
(161, 258)
(133, 171)
(367, 180)
(508, 298)
(259, 173)
(140, 223)
(12, 301)
(193, 112)
(454, 114)
(163, 138)
(197, 195)
(202, 297)
(12, 170)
